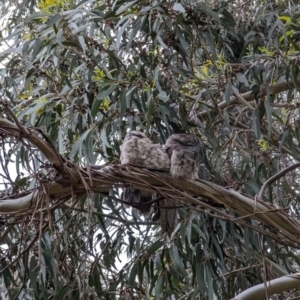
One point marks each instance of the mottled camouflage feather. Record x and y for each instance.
(138, 149)
(184, 151)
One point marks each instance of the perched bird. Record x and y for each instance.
(138, 149)
(185, 152)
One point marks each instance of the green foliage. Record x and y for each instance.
(85, 72)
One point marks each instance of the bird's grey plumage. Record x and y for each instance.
(167, 216)
(184, 152)
(138, 149)
(138, 198)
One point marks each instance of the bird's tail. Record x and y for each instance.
(167, 216)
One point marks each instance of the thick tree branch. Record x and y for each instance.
(272, 287)
(9, 128)
(188, 192)
(18, 203)
(249, 96)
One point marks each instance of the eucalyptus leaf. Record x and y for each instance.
(179, 7)
(125, 6)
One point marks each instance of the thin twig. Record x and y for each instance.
(274, 178)
(16, 120)
(242, 100)
(26, 249)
